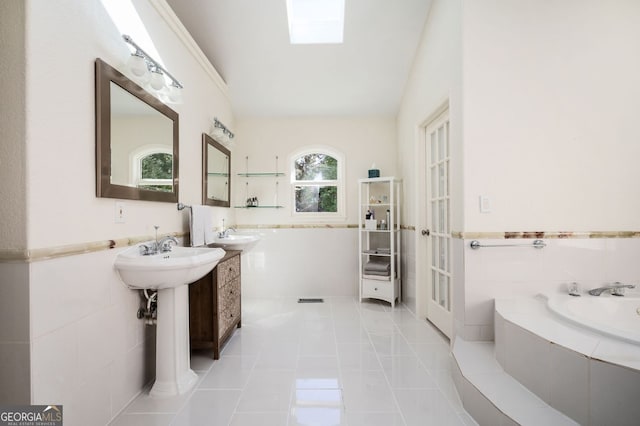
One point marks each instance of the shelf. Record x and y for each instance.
(259, 207)
(265, 174)
(377, 205)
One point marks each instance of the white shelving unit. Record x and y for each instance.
(379, 241)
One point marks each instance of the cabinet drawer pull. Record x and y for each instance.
(375, 288)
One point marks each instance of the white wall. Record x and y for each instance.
(551, 95)
(63, 208)
(551, 98)
(435, 80)
(307, 261)
(72, 315)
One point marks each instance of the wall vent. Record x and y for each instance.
(310, 300)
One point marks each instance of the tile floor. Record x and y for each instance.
(336, 363)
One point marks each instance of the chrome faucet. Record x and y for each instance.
(164, 245)
(224, 233)
(161, 246)
(617, 289)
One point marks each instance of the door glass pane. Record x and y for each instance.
(443, 291)
(441, 217)
(446, 179)
(447, 139)
(441, 143)
(434, 182)
(447, 218)
(433, 146)
(442, 246)
(434, 214)
(441, 178)
(434, 253)
(434, 285)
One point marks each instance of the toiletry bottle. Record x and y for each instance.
(388, 218)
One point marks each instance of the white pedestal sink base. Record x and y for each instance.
(173, 365)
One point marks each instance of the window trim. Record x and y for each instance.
(339, 183)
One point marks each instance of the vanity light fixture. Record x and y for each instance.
(221, 133)
(148, 70)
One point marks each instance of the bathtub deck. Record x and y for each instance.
(492, 396)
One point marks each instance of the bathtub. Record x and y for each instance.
(618, 317)
(580, 355)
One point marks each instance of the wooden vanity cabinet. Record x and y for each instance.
(214, 305)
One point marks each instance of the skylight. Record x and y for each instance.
(316, 21)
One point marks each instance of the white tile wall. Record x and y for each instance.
(302, 263)
(491, 273)
(409, 269)
(89, 351)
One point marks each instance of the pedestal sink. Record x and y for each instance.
(239, 241)
(169, 273)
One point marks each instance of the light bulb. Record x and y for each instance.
(157, 79)
(175, 93)
(137, 65)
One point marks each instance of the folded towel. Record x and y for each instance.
(380, 266)
(197, 220)
(378, 273)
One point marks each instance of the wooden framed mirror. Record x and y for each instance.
(216, 176)
(136, 141)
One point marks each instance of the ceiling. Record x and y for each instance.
(247, 41)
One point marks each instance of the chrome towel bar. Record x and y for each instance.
(475, 244)
(183, 206)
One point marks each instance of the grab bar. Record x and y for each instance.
(475, 244)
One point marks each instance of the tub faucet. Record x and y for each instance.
(617, 289)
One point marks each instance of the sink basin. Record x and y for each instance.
(238, 241)
(182, 265)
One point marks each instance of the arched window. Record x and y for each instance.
(317, 183)
(152, 168)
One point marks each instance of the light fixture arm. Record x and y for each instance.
(217, 123)
(150, 60)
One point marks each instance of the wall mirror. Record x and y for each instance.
(216, 167)
(136, 141)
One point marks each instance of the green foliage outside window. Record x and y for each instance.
(316, 167)
(157, 166)
(323, 196)
(317, 199)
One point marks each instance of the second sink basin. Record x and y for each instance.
(237, 241)
(181, 265)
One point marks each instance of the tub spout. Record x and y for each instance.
(617, 289)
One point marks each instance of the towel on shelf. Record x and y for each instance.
(378, 273)
(377, 266)
(198, 220)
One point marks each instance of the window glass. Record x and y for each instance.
(156, 172)
(316, 182)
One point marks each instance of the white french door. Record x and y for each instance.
(438, 219)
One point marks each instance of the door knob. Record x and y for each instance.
(425, 232)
